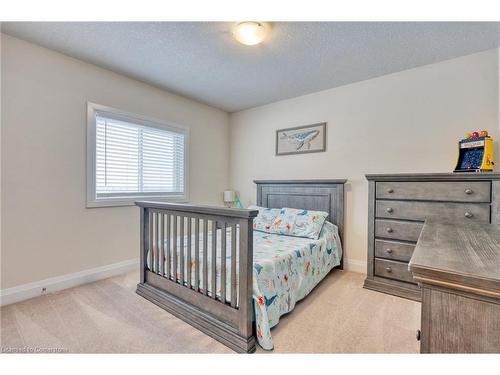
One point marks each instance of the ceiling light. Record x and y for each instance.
(250, 33)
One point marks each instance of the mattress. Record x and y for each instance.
(285, 270)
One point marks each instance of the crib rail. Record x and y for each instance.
(196, 262)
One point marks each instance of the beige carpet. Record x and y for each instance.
(339, 316)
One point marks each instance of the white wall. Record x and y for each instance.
(404, 122)
(1, 126)
(47, 231)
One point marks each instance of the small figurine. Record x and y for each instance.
(483, 133)
(468, 135)
(475, 135)
(238, 203)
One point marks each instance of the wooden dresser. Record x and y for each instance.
(397, 208)
(458, 268)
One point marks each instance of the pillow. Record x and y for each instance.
(265, 218)
(299, 223)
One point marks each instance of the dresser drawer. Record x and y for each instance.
(400, 230)
(393, 270)
(393, 250)
(458, 191)
(432, 210)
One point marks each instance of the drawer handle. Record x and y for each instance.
(468, 191)
(389, 230)
(388, 251)
(390, 190)
(389, 210)
(388, 269)
(468, 215)
(417, 335)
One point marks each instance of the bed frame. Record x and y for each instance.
(163, 227)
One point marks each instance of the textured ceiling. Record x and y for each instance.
(201, 60)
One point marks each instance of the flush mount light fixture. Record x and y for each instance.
(250, 33)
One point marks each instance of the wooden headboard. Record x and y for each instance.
(318, 195)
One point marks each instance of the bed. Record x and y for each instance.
(187, 251)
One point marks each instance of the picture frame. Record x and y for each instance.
(301, 139)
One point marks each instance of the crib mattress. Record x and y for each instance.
(285, 270)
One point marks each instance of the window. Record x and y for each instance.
(131, 158)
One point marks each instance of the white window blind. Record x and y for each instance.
(135, 158)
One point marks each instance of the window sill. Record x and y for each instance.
(130, 201)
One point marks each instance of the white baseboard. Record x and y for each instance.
(54, 284)
(355, 265)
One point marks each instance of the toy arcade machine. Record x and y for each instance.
(475, 153)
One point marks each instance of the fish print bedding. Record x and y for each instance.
(285, 270)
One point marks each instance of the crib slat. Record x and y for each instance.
(169, 256)
(174, 250)
(181, 250)
(205, 256)
(233, 266)
(162, 244)
(223, 263)
(151, 240)
(214, 259)
(157, 242)
(188, 268)
(197, 254)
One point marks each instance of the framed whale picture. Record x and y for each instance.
(301, 139)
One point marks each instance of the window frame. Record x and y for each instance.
(129, 200)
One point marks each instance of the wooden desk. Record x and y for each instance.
(457, 264)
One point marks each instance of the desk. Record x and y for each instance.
(457, 265)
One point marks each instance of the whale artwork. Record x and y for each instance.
(301, 139)
(310, 138)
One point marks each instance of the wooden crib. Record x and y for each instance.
(219, 309)
(229, 321)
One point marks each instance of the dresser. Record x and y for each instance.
(457, 266)
(397, 208)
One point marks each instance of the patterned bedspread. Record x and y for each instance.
(285, 269)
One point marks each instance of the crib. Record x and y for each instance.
(181, 243)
